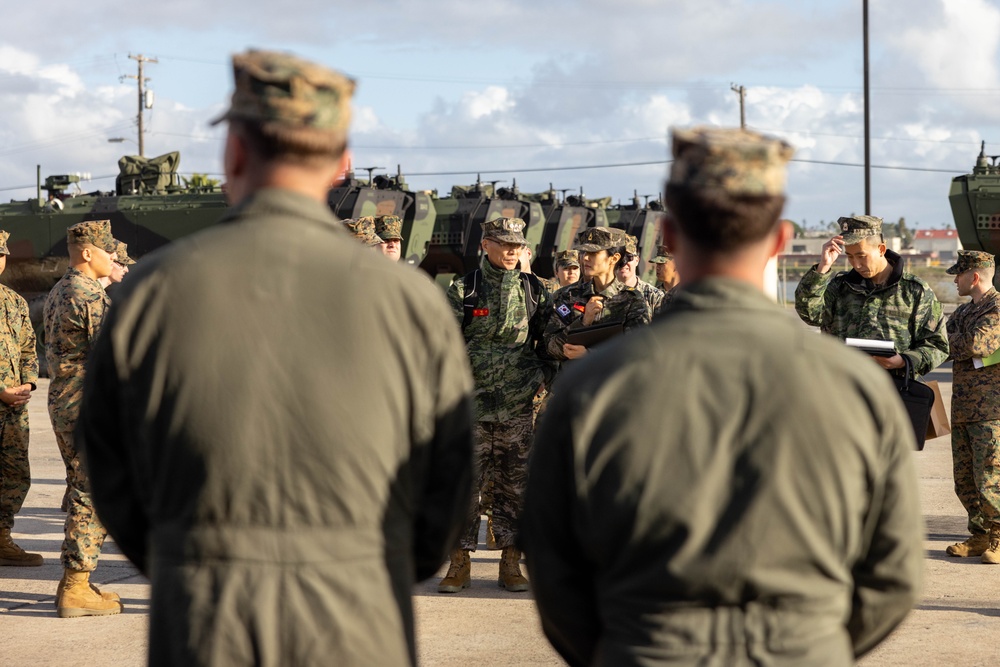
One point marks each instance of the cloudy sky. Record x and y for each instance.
(576, 93)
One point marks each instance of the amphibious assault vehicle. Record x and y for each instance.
(975, 204)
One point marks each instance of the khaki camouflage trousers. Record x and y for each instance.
(15, 473)
(501, 455)
(975, 453)
(85, 533)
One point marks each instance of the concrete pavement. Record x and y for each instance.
(955, 622)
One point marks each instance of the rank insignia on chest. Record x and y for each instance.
(480, 312)
(579, 307)
(563, 310)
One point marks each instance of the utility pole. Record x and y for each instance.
(868, 152)
(141, 60)
(742, 92)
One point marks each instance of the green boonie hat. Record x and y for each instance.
(3, 242)
(663, 255)
(389, 228)
(282, 91)
(971, 259)
(631, 244)
(593, 239)
(737, 161)
(857, 227)
(505, 230)
(568, 258)
(363, 229)
(94, 232)
(121, 249)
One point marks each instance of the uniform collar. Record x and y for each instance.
(718, 292)
(280, 201)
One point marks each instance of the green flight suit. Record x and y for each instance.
(722, 488)
(279, 431)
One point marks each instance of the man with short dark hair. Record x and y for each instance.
(974, 335)
(286, 456)
(627, 272)
(877, 299)
(74, 313)
(723, 487)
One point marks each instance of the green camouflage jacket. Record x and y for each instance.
(622, 304)
(904, 310)
(974, 331)
(505, 364)
(18, 359)
(74, 310)
(653, 295)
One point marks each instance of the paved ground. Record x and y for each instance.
(956, 622)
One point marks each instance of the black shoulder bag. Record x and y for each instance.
(918, 399)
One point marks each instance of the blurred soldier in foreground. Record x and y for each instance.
(876, 299)
(598, 297)
(285, 457)
(723, 487)
(502, 310)
(18, 375)
(74, 312)
(389, 229)
(626, 271)
(974, 334)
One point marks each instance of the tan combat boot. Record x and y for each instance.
(459, 574)
(11, 554)
(510, 571)
(106, 595)
(76, 597)
(992, 555)
(491, 540)
(974, 546)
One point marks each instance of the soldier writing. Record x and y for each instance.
(74, 312)
(723, 487)
(973, 334)
(18, 375)
(876, 299)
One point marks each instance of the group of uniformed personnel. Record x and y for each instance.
(687, 521)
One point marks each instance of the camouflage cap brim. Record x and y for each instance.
(969, 260)
(508, 237)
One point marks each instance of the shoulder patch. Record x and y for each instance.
(563, 310)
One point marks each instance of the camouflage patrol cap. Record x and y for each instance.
(94, 232)
(389, 228)
(739, 162)
(121, 249)
(3, 242)
(593, 239)
(363, 229)
(663, 255)
(568, 258)
(282, 91)
(971, 259)
(505, 230)
(631, 244)
(854, 228)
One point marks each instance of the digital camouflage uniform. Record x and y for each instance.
(363, 230)
(507, 373)
(18, 366)
(389, 227)
(723, 487)
(974, 332)
(904, 310)
(74, 311)
(621, 304)
(652, 295)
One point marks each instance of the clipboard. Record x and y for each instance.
(594, 334)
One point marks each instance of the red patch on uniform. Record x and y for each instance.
(480, 312)
(579, 307)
